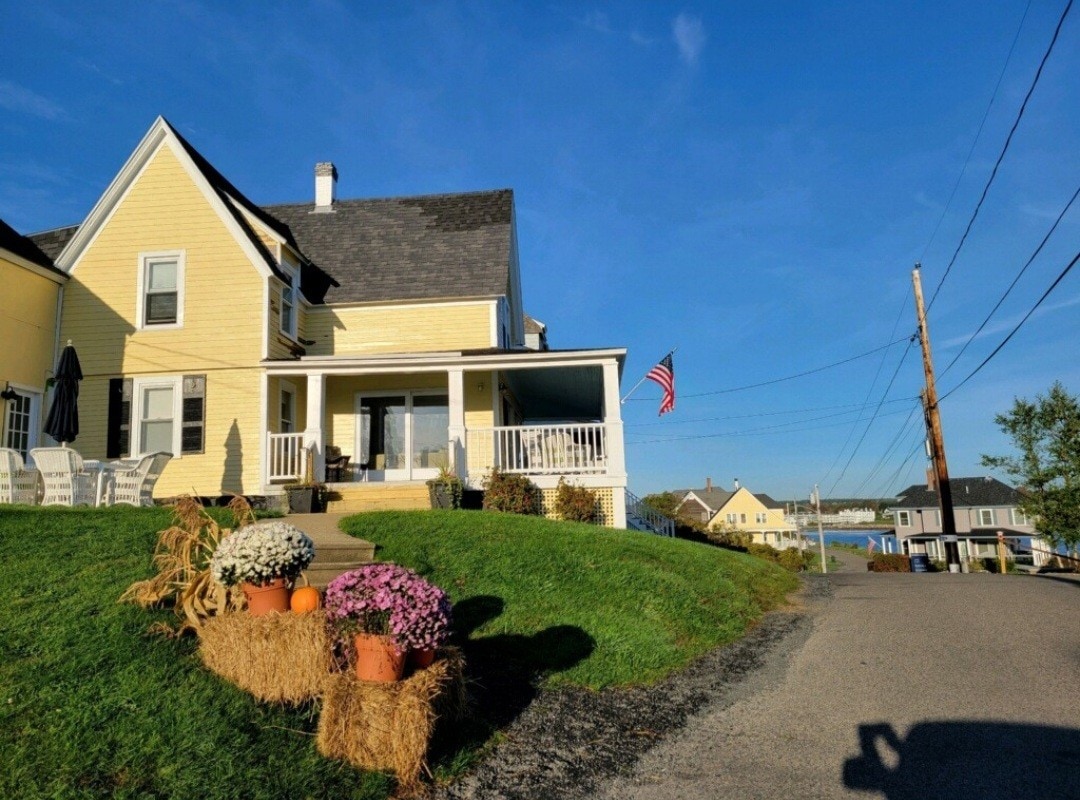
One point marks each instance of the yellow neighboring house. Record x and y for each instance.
(758, 515)
(241, 338)
(30, 292)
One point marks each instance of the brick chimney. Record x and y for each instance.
(708, 484)
(325, 186)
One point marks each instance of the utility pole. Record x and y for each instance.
(820, 529)
(933, 432)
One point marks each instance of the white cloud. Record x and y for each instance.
(20, 99)
(689, 35)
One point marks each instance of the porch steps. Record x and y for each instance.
(354, 497)
(335, 552)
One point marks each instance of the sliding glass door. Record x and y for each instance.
(402, 436)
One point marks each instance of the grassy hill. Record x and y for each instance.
(92, 706)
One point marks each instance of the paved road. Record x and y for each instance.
(906, 686)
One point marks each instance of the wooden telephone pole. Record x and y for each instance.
(933, 433)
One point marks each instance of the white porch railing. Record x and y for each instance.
(539, 449)
(286, 457)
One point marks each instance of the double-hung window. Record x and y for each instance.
(986, 516)
(288, 307)
(158, 416)
(759, 517)
(1019, 517)
(903, 519)
(161, 290)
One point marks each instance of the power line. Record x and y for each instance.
(781, 380)
(1015, 280)
(667, 423)
(1001, 156)
(893, 478)
(768, 429)
(978, 133)
(869, 424)
(889, 450)
(866, 400)
(1019, 325)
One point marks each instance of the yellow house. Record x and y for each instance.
(756, 514)
(243, 338)
(29, 299)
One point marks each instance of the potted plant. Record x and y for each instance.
(387, 612)
(263, 558)
(306, 496)
(446, 489)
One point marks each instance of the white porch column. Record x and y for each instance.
(616, 449)
(313, 433)
(455, 382)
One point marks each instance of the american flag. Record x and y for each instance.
(664, 374)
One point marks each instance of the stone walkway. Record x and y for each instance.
(335, 552)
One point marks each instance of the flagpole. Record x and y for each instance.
(636, 385)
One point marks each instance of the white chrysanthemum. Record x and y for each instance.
(262, 552)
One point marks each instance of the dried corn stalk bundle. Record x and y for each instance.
(182, 559)
(387, 726)
(278, 658)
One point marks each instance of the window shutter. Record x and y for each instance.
(118, 435)
(193, 430)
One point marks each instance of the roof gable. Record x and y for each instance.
(218, 192)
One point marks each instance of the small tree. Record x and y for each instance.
(576, 503)
(510, 492)
(1046, 434)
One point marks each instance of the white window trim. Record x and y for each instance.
(140, 300)
(1018, 517)
(176, 382)
(903, 519)
(293, 289)
(284, 388)
(989, 511)
(36, 396)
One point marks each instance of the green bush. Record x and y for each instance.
(576, 503)
(937, 565)
(514, 494)
(889, 562)
(766, 551)
(729, 537)
(791, 559)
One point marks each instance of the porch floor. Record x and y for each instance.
(335, 552)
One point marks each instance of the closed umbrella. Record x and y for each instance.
(62, 423)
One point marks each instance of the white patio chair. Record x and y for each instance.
(133, 482)
(18, 483)
(67, 482)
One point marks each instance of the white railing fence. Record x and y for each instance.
(287, 457)
(539, 449)
(645, 517)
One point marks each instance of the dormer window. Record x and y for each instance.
(161, 290)
(288, 305)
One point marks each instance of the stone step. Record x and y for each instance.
(319, 575)
(379, 497)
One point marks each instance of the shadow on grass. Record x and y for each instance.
(966, 761)
(504, 673)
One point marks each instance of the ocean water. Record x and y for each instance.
(861, 538)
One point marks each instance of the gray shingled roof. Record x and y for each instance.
(768, 502)
(25, 247)
(714, 498)
(408, 248)
(966, 493)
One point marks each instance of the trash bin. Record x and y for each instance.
(920, 562)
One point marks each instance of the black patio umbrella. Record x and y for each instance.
(62, 423)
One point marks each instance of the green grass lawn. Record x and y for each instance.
(92, 706)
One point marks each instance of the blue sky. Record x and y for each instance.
(748, 182)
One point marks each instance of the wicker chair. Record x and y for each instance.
(18, 484)
(133, 481)
(336, 464)
(66, 480)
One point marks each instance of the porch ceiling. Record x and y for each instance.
(558, 393)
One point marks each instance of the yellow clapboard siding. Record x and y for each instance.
(28, 317)
(399, 329)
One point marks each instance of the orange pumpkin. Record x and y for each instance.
(306, 598)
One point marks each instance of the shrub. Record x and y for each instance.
(514, 494)
(791, 559)
(576, 503)
(889, 562)
(765, 551)
(937, 565)
(726, 536)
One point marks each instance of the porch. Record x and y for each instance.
(400, 420)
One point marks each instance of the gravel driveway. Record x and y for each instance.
(881, 685)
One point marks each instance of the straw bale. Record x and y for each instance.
(276, 657)
(387, 726)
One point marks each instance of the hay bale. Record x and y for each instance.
(387, 726)
(282, 658)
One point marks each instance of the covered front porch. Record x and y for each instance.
(403, 419)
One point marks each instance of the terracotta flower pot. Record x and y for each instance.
(274, 596)
(421, 659)
(377, 659)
